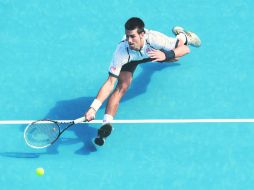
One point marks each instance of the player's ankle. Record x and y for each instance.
(182, 36)
(107, 118)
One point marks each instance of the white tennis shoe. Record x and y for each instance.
(192, 38)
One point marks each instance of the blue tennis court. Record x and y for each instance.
(54, 57)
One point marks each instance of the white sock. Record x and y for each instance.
(107, 118)
(182, 36)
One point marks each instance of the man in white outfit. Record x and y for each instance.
(138, 46)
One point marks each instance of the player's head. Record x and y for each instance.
(135, 23)
(134, 30)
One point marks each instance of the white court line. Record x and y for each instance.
(13, 122)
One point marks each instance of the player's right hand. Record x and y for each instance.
(90, 114)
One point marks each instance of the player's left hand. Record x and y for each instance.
(157, 55)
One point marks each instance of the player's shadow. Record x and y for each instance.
(75, 108)
(140, 83)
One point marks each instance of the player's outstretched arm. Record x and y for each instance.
(103, 93)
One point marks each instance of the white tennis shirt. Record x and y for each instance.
(153, 40)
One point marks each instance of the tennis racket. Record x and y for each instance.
(43, 133)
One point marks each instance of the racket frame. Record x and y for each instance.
(71, 123)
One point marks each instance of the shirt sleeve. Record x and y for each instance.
(161, 41)
(120, 57)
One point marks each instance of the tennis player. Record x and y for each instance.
(139, 45)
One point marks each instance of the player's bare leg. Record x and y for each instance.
(105, 130)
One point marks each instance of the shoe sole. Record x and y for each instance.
(103, 133)
(176, 29)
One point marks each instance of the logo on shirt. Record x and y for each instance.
(112, 68)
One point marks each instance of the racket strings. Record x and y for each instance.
(42, 134)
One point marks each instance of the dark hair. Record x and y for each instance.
(134, 23)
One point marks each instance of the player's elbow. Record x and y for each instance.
(181, 51)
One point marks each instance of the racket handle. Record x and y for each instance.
(80, 120)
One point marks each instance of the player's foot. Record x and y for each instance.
(99, 141)
(103, 132)
(192, 38)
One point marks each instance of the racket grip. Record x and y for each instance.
(80, 120)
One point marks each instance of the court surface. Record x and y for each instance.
(54, 57)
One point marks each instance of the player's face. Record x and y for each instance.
(135, 40)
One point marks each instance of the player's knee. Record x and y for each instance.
(123, 87)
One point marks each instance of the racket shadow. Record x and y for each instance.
(21, 154)
(83, 134)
